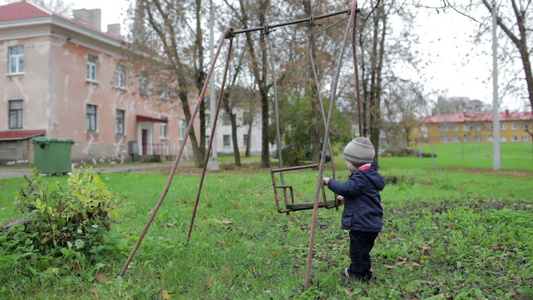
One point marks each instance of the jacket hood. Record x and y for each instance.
(376, 178)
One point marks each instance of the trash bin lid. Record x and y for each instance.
(48, 140)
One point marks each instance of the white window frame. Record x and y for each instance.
(526, 138)
(444, 139)
(16, 114)
(489, 127)
(92, 68)
(503, 126)
(226, 140)
(121, 77)
(143, 83)
(444, 128)
(164, 131)
(478, 139)
(466, 127)
(514, 138)
(525, 126)
(503, 139)
(466, 139)
(16, 60)
(120, 121)
(92, 118)
(455, 139)
(183, 129)
(478, 127)
(165, 93)
(514, 126)
(244, 140)
(455, 127)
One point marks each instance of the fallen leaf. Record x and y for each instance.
(100, 277)
(165, 294)
(389, 267)
(226, 270)
(95, 292)
(349, 291)
(169, 224)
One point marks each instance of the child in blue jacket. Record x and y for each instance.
(363, 213)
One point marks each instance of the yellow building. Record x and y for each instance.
(515, 127)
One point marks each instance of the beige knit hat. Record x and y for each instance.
(359, 151)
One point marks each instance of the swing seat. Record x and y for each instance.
(288, 194)
(310, 205)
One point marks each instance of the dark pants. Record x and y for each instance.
(361, 244)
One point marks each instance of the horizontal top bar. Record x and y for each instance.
(293, 22)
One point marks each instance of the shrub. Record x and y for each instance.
(58, 222)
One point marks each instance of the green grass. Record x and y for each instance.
(446, 233)
(517, 156)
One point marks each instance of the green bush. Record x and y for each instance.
(60, 224)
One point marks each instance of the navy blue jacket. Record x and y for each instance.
(362, 201)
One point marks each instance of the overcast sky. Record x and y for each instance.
(458, 68)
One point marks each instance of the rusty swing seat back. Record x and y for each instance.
(285, 193)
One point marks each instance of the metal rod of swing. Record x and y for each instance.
(292, 22)
(323, 157)
(178, 158)
(266, 29)
(206, 161)
(354, 40)
(315, 76)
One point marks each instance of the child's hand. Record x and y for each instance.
(340, 198)
(325, 180)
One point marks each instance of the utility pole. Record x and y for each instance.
(497, 161)
(213, 164)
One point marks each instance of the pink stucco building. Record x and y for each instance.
(66, 78)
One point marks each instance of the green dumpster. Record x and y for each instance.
(52, 155)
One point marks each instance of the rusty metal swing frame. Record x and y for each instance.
(230, 34)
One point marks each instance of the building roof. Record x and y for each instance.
(20, 135)
(25, 10)
(22, 10)
(479, 117)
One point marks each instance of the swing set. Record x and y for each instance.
(286, 190)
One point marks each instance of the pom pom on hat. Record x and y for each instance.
(359, 151)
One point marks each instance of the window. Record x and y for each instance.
(16, 60)
(225, 119)
(466, 139)
(503, 139)
(245, 140)
(121, 77)
(226, 141)
(478, 128)
(525, 126)
(444, 128)
(466, 127)
(15, 114)
(120, 121)
(455, 139)
(164, 131)
(526, 138)
(514, 138)
(455, 128)
(183, 128)
(503, 126)
(514, 127)
(477, 139)
(164, 94)
(247, 117)
(444, 139)
(207, 141)
(489, 126)
(490, 138)
(92, 68)
(91, 118)
(144, 84)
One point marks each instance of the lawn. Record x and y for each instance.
(448, 233)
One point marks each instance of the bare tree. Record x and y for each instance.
(169, 30)
(515, 25)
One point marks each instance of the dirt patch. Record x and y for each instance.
(488, 171)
